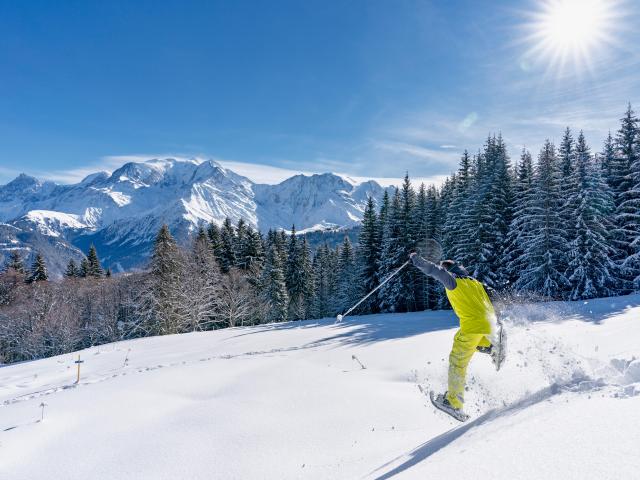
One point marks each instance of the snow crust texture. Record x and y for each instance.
(342, 401)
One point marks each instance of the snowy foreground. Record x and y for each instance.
(292, 401)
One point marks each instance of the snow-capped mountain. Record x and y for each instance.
(121, 212)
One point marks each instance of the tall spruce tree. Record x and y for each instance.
(397, 295)
(325, 265)
(94, 269)
(227, 255)
(84, 268)
(242, 245)
(607, 161)
(500, 204)
(627, 198)
(254, 253)
(163, 306)
(38, 270)
(72, 270)
(590, 269)
(368, 256)
(307, 287)
(213, 232)
(523, 205)
(274, 287)
(544, 250)
(457, 201)
(347, 276)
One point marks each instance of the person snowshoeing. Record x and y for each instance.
(479, 327)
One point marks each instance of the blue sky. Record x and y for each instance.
(364, 87)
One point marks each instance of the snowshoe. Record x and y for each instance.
(499, 351)
(441, 403)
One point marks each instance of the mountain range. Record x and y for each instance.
(121, 212)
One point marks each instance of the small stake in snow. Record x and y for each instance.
(126, 358)
(353, 357)
(78, 362)
(42, 405)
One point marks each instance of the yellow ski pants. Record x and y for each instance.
(464, 346)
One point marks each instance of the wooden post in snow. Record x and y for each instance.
(78, 362)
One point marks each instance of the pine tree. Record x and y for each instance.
(627, 198)
(434, 293)
(523, 204)
(108, 272)
(38, 270)
(457, 201)
(164, 259)
(397, 294)
(568, 188)
(254, 252)
(544, 253)
(325, 265)
(15, 263)
(307, 287)
(346, 276)
(477, 233)
(94, 269)
(84, 268)
(196, 305)
(500, 199)
(369, 256)
(566, 157)
(275, 288)
(202, 252)
(299, 277)
(608, 161)
(72, 270)
(590, 270)
(227, 257)
(213, 232)
(242, 245)
(383, 214)
(163, 298)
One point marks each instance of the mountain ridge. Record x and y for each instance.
(120, 212)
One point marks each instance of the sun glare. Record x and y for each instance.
(573, 33)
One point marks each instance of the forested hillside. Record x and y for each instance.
(563, 226)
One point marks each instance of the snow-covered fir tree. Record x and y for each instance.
(213, 232)
(347, 277)
(72, 270)
(38, 270)
(227, 253)
(544, 249)
(275, 287)
(94, 269)
(627, 198)
(457, 201)
(590, 270)
(368, 256)
(84, 268)
(523, 203)
(325, 266)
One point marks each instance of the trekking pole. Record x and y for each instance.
(340, 317)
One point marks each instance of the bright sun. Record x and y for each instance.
(571, 32)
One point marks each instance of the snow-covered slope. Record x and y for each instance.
(292, 401)
(126, 208)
